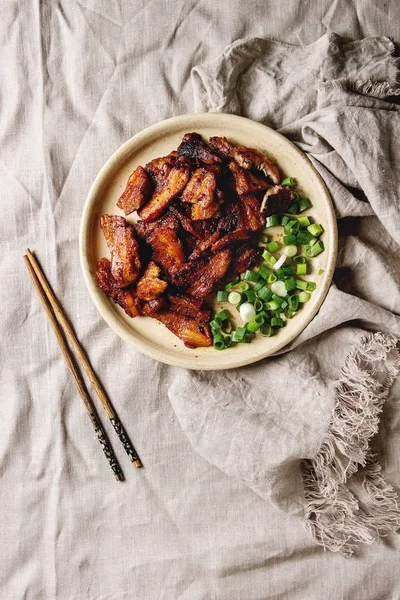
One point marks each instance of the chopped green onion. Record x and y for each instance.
(304, 203)
(263, 271)
(299, 260)
(255, 324)
(301, 285)
(277, 299)
(304, 297)
(218, 342)
(234, 298)
(263, 238)
(294, 302)
(243, 286)
(259, 284)
(239, 335)
(279, 288)
(287, 269)
(290, 250)
(258, 305)
(288, 312)
(290, 284)
(250, 295)
(280, 274)
(272, 246)
(247, 312)
(321, 271)
(272, 221)
(304, 221)
(222, 315)
(272, 305)
(313, 241)
(279, 262)
(271, 278)
(311, 286)
(284, 305)
(303, 237)
(288, 181)
(227, 341)
(215, 324)
(222, 296)
(266, 330)
(271, 260)
(226, 326)
(315, 229)
(291, 227)
(285, 220)
(265, 293)
(293, 208)
(276, 322)
(317, 248)
(251, 276)
(231, 284)
(301, 269)
(308, 251)
(290, 240)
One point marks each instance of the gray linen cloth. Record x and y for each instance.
(288, 427)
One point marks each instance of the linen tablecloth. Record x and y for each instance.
(78, 79)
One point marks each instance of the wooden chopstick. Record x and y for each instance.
(111, 414)
(80, 384)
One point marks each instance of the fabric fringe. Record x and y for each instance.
(337, 519)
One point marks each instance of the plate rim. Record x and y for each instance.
(102, 304)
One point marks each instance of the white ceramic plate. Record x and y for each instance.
(148, 335)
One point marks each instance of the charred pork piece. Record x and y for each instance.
(232, 219)
(120, 238)
(188, 273)
(246, 182)
(236, 236)
(138, 191)
(126, 297)
(215, 270)
(192, 332)
(167, 248)
(166, 193)
(185, 222)
(193, 147)
(201, 188)
(150, 285)
(160, 168)
(204, 245)
(190, 307)
(250, 213)
(149, 309)
(246, 258)
(247, 158)
(277, 200)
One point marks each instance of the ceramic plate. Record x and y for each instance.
(148, 335)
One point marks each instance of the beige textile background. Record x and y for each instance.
(77, 80)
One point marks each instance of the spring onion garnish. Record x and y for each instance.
(290, 240)
(321, 271)
(301, 285)
(304, 297)
(276, 322)
(272, 246)
(218, 341)
(311, 286)
(279, 288)
(251, 276)
(231, 284)
(239, 335)
(290, 250)
(290, 284)
(304, 203)
(301, 269)
(304, 221)
(294, 208)
(263, 272)
(226, 326)
(265, 293)
(222, 296)
(299, 260)
(267, 256)
(243, 286)
(222, 315)
(263, 238)
(247, 312)
(317, 248)
(315, 229)
(234, 298)
(271, 278)
(255, 324)
(288, 181)
(279, 262)
(272, 221)
(266, 330)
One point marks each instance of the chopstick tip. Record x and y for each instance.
(137, 463)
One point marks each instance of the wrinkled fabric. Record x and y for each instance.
(78, 78)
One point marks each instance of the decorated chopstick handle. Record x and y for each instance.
(108, 452)
(125, 441)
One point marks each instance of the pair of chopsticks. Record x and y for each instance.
(62, 328)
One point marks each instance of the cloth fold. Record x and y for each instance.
(296, 428)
